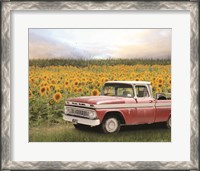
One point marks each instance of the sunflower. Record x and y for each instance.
(103, 79)
(158, 90)
(45, 77)
(30, 94)
(69, 88)
(52, 87)
(57, 97)
(95, 92)
(32, 80)
(53, 81)
(98, 84)
(160, 80)
(66, 83)
(75, 89)
(80, 90)
(57, 88)
(51, 102)
(87, 91)
(106, 79)
(48, 88)
(82, 83)
(42, 90)
(76, 82)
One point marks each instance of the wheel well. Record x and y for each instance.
(115, 114)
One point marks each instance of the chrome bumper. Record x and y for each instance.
(84, 121)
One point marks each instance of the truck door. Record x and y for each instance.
(145, 105)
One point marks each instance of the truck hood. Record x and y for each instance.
(98, 100)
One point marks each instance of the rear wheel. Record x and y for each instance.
(169, 123)
(111, 124)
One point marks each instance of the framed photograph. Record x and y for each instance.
(100, 85)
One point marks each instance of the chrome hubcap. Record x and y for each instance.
(111, 125)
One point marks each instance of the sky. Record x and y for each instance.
(99, 43)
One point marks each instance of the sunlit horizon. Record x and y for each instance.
(100, 43)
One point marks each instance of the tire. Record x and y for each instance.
(168, 123)
(111, 124)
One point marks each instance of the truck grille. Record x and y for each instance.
(79, 112)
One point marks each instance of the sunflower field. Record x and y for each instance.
(50, 86)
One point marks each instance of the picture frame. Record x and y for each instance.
(9, 6)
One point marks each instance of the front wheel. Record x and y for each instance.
(111, 124)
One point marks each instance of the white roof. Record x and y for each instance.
(130, 82)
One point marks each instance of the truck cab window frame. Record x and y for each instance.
(141, 91)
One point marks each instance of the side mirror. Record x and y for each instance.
(135, 99)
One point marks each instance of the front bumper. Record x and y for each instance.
(78, 120)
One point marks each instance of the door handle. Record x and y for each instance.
(150, 101)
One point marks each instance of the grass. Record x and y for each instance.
(67, 133)
(99, 62)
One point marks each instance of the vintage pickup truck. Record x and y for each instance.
(120, 103)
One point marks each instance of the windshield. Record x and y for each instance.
(120, 90)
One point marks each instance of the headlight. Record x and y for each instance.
(67, 110)
(92, 114)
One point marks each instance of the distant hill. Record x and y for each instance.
(84, 62)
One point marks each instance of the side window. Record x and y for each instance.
(142, 91)
(125, 92)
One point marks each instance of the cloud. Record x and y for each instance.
(99, 43)
(42, 47)
(151, 43)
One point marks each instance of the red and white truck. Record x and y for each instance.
(120, 103)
